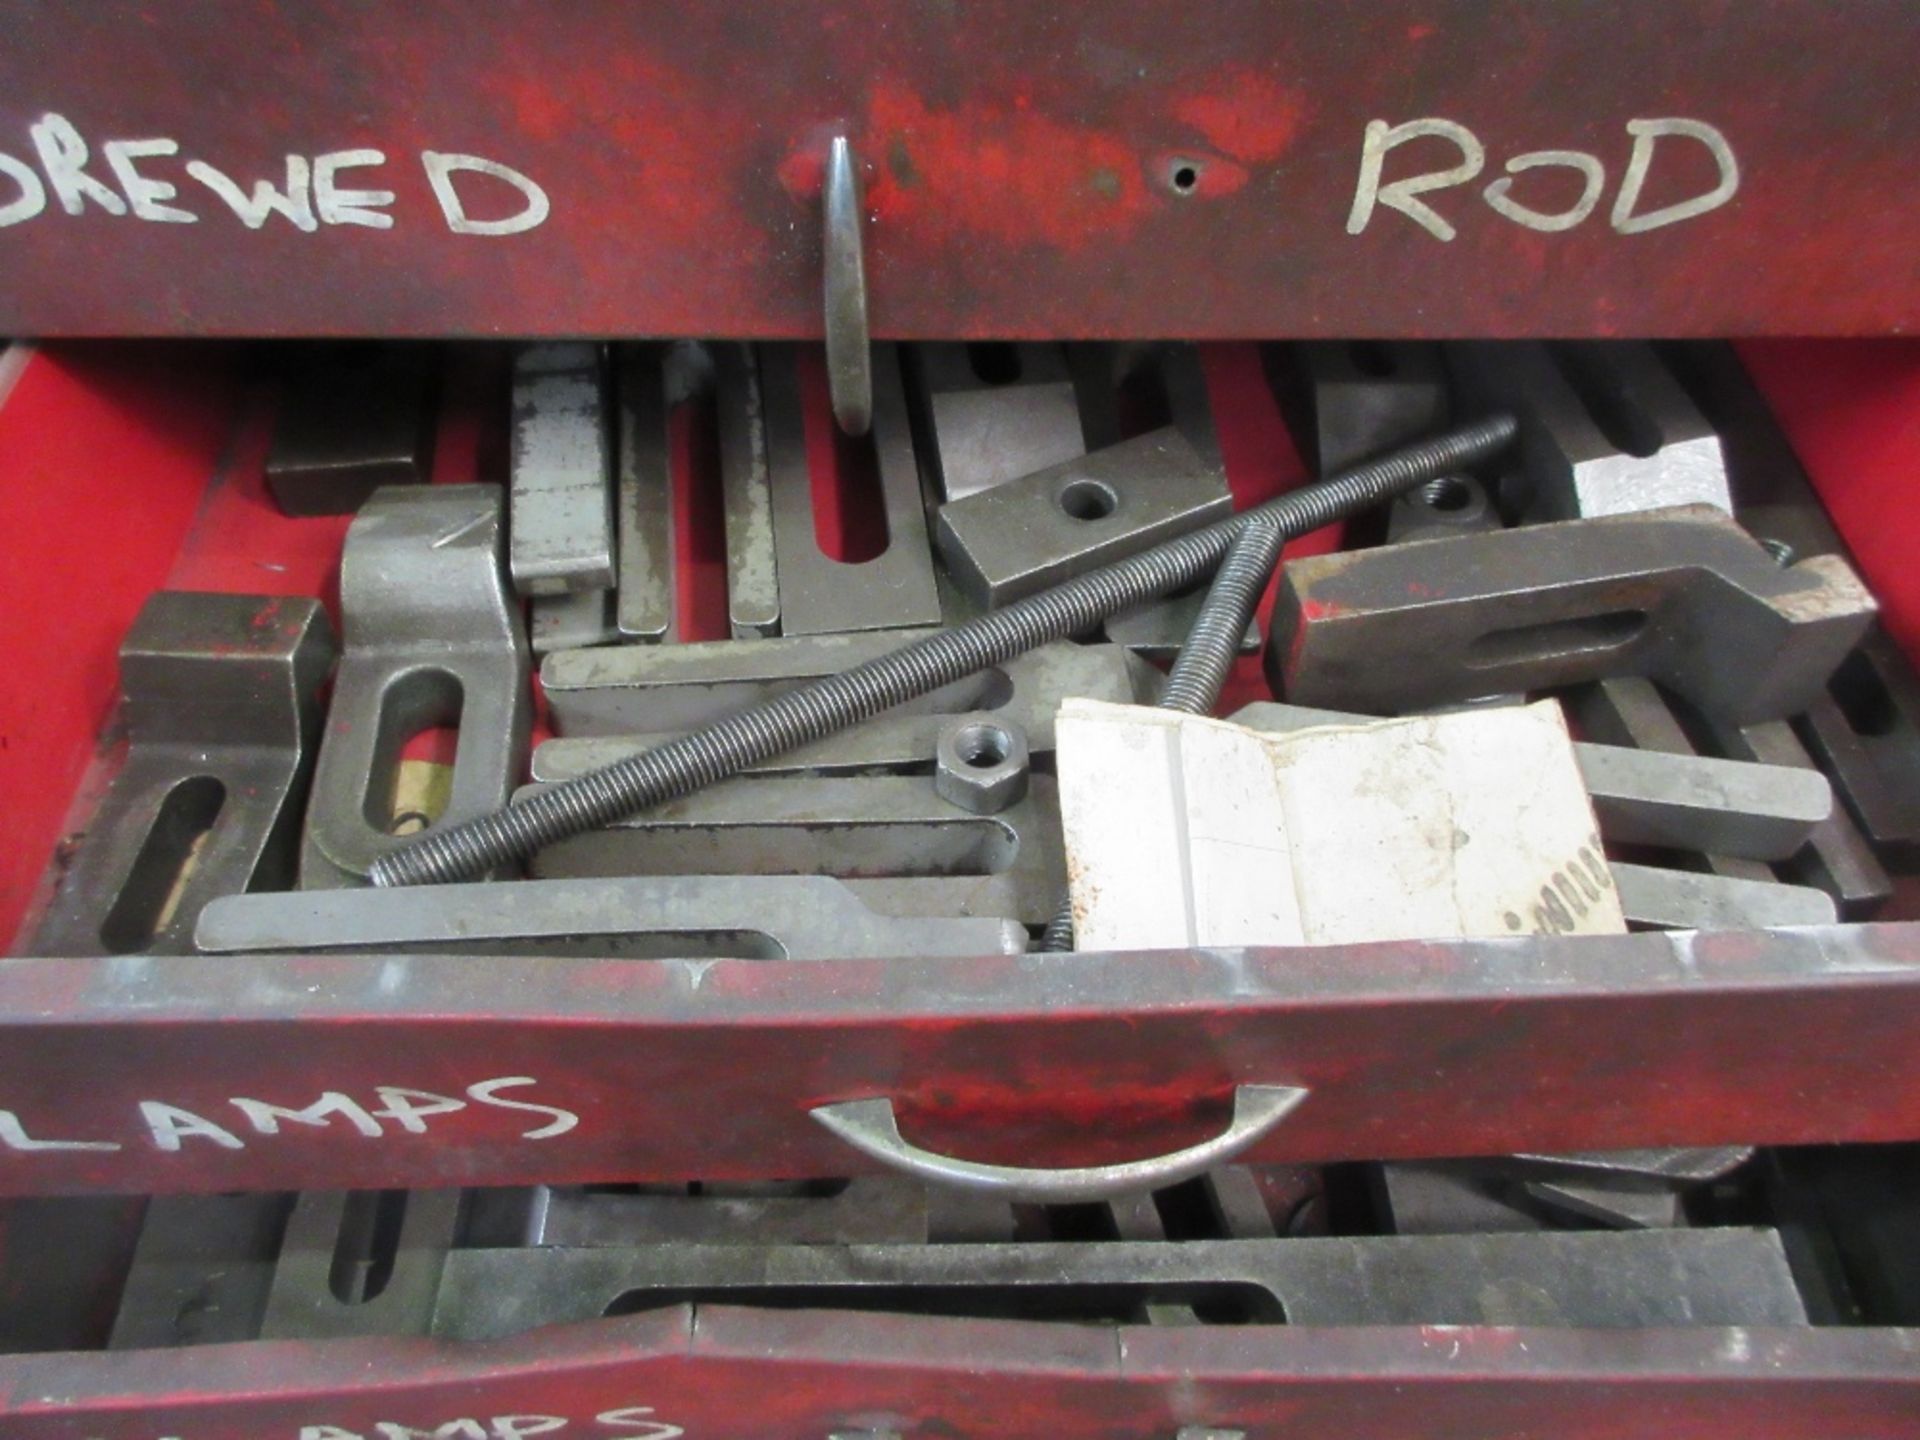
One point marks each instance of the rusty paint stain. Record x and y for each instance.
(1245, 115)
(1009, 175)
(900, 162)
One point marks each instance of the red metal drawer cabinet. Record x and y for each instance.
(121, 1074)
(1246, 170)
(1256, 169)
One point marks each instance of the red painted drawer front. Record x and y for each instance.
(130, 1074)
(801, 1376)
(1034, 170)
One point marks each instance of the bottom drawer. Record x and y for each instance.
(745, 1374)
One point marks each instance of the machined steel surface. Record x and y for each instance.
(866, 1210)
(1370, 396)
(560, 471)
(201, 1272)
(1475, 1198)
(995, 412)
(746, 493)
(1696, 900)
(431, 637)
(980, 763)
(756, 917)
(1605, 429)
(1727, 807)
(1697, 1166)
(1681, 596)
(1713, 1277)
(353, 417)
(643, 496)
(222, 709)
(571, 622)
(1023, 536)
(365, 1263)
(1630, 711)
(612, 692)
(1647, 797)
(897, 844)
(1157, 630)
(1615, 1205)
(1130, 388)
(1449, 505)
(849, 340)
(1025, 691)
(1449, 1198)
(1838, 858)
(1865, 732)
(823, 707)
(820, 595)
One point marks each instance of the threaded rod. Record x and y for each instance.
(828, 705)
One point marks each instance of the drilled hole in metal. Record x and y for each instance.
(1089, 500)
(1448, 493)
(982, 746)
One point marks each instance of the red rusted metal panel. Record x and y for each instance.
(768, 1376)
(147, 1073)
(1032, 170)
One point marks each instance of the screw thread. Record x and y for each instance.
(823, 707)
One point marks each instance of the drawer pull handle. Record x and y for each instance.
(871, 1127)
(849, 353)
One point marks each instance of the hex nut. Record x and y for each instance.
(980, 764)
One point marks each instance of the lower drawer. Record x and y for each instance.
(137, 1075)
(221, 1073)
(746, 1374)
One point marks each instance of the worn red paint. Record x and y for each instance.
(1245, 115)
(1013, 176)
(1022, 197)
(1408, 1051)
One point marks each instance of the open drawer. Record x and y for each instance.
(127, 469)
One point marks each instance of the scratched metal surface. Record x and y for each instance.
(1032, 170)
(293, 1072)
(757, 1375)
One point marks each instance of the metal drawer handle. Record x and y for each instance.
(871, 1128)
(849, 351)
